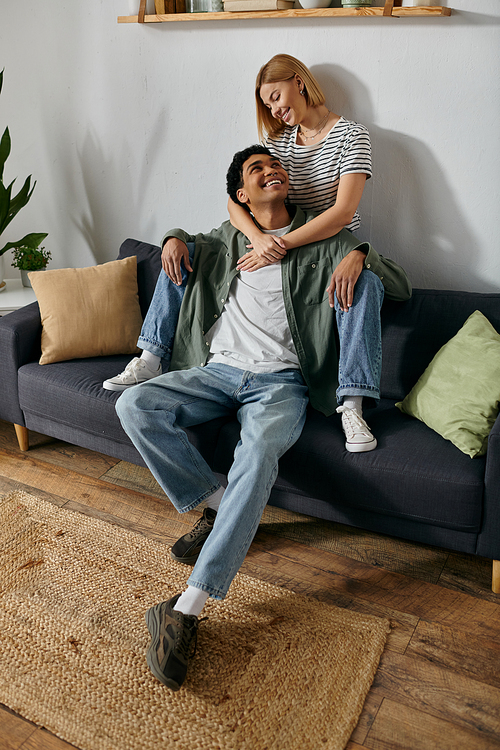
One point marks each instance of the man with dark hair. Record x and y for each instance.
(261, 345)
(234, 176)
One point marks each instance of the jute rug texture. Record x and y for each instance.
(273, 670)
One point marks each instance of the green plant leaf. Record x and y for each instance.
(5, 193)
(16, 203)
(5, 145)
(23, 196)
(32, 241)
(10, 206)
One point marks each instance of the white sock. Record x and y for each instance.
(192, 601)
(354, 402)
(214, 500)
(152, 361)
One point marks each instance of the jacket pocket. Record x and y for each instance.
(314, 279)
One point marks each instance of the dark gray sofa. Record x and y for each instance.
(415, 485)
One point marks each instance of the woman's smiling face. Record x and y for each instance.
(284, 100)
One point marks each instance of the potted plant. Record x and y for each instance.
(11, 205)
(30, 259)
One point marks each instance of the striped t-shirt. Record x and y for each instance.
(315, 171)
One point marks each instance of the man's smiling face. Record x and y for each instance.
(265, 181)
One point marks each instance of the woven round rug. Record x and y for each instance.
(273, 670)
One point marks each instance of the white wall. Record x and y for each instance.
(129, 129)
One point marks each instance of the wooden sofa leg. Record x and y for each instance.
(22, 435)
(495, 581)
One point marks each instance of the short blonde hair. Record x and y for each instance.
(283, 68)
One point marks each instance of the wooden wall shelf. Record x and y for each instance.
(390, 10)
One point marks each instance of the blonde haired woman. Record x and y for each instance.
(327, 157)
(328, 160)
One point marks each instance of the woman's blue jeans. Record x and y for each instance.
(271, 410)
(360, 336)
(158, 329)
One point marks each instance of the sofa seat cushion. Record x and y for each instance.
(71, 394)
(407, 464)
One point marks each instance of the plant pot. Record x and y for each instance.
(25, 279)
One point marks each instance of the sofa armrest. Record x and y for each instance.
(492, 473)
(489, 539)
(19, 343)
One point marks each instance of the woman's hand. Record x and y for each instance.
(174, 251)
(265, 250)
(344, 279)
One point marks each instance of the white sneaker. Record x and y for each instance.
(137, 371)
(358, 436)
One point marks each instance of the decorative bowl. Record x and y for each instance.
(314, 3)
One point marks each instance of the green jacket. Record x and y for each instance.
(306, 274)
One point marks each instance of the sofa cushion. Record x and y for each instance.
(148, 267)
(88, 312)
(73, 394)
(414, 331)
(458, 395)
(399, 478)
(73, 397)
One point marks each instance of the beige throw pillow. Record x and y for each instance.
(88, 312)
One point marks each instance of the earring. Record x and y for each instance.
(302, 92)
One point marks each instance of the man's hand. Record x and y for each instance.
(174, 251)
(344, 279)
(265, 250)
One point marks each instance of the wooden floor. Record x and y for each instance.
(438, 684)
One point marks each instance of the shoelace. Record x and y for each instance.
(185, 635)
(132, 367)
(202, 525)
(354, 422)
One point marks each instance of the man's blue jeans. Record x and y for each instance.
(271, 410)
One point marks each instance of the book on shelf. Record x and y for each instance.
(249, 5)
(170, 6)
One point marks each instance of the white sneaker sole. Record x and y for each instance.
(361, 447)
(119, 386)
(108, 385)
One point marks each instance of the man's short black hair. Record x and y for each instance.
(234, 177)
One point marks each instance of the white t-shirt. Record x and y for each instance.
(252, 332)
(315, 171)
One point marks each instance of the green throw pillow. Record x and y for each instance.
(458, 395)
